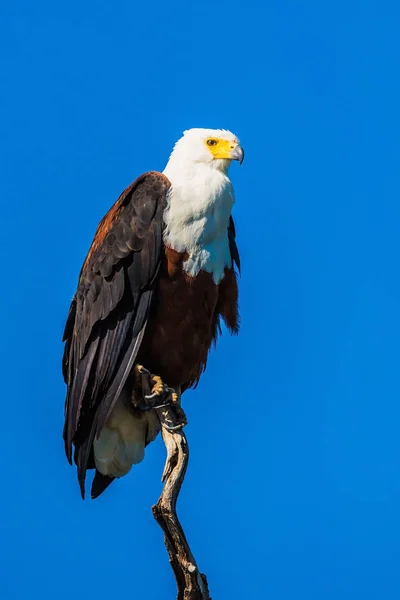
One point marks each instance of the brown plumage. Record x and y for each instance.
(185, 319)
(134, 303)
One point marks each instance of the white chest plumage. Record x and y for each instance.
(200, 202)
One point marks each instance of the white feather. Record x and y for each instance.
(122, 441)
(200, 202)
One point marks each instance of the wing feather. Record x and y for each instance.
(109, 311)
(232, 244)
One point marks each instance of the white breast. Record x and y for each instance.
(200, 202)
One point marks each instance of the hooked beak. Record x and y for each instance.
(237, 154)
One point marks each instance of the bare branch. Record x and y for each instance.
(192, 585)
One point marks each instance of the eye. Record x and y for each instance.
(212, 142)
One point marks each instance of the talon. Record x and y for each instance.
(175, 428)
(158, 387)
(159, 395)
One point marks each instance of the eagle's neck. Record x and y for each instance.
(200, 201)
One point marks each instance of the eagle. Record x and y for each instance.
(160, 275)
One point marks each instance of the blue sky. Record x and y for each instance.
(293, 487)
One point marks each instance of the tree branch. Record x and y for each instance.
(192, 585)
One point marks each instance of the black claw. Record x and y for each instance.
(175, 428)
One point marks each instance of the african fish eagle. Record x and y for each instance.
(159, 276)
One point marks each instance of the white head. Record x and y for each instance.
(201, 198)
(215, 148)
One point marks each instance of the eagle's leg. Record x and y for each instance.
(150, 391)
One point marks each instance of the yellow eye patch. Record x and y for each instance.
(220, 148)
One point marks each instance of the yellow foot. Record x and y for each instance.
(158, 387)
(150, 391)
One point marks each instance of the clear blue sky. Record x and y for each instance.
(293, 490)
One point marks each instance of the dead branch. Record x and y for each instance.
(192, 585)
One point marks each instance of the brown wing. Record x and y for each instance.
(109, 311)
